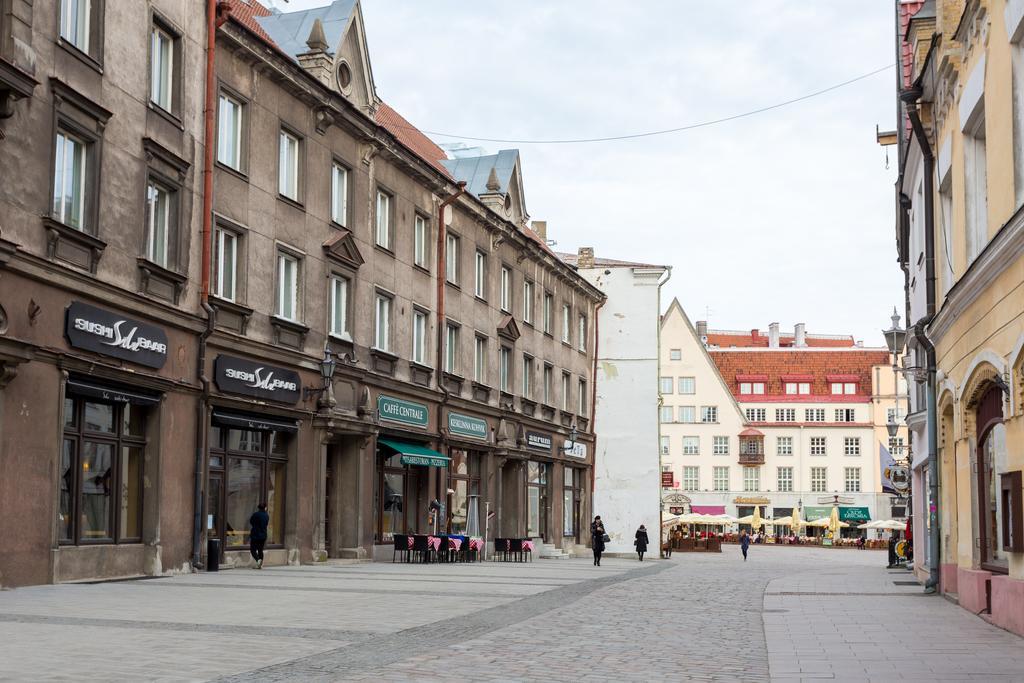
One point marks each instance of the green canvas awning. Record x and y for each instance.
(413, 454)
(854, 514)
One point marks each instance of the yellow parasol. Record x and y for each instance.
(756, 522)
(833, 522)
(797, 522)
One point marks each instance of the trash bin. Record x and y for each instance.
(213, 555)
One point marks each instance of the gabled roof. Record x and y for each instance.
(290, 29)
(476, 170)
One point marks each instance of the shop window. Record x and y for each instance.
(992, 461)
(464, 481)
(571, 499)
(537, 499)
(101, 465)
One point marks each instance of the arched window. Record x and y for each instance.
(991, 455)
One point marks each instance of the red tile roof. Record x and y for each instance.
(755, 338)
(819, 365)
(246, 11)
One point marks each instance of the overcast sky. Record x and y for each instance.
(786, 216)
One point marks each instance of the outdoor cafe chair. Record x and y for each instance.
(403, 544)
(422, 547)
(501, 548)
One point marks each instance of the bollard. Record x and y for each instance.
(213, 555)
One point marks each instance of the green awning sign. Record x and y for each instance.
(854, 514)
(413, 454)
(466, 425)
(406, 412)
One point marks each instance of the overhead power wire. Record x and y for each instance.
(666, 131)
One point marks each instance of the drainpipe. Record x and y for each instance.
(216, 15)
(661, 508)
(593, 395)
(910, 97)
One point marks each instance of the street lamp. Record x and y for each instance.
(326, 391)
(895, 337)
(570, 444)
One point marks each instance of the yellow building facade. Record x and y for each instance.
(965, 64)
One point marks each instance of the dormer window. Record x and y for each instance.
(844, 388)
(756, 388)
(798, 388)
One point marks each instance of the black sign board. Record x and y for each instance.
(100, 331)
(538, 441)
(259, 380)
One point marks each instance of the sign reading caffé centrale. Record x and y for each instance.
(400, 410)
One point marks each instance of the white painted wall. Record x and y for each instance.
(626, 467)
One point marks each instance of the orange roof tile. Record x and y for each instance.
(246, 11)
(726, 340)
(410, 136)
(818, 365)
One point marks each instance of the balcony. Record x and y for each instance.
(751, 447)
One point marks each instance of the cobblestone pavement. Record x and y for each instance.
(788, 614)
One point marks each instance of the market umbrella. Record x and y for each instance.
(783, 521)
(833, 521)
(797, 522)
(756, 522)
(825, 523)
(890, 524)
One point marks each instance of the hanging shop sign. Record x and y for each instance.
(538, 441)
(400, 410)
(575, 449)
(467, 425)
(677, 511)
(258, 380)
(667, 479)
(100, 331)
(751, 500)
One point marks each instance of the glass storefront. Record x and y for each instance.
(537, 499)
(463, 481)
(571, 497)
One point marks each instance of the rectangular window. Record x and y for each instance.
(451, 258)
(687, 385)
(339, 307)
(817, 445)
(819, 479)
(755, 414)
(420, 246)
(581, 333)
(691, 478)
(161, 76)
(851, 445)
(225, 264)
(581, 397)
(419, 336)
(785, 479)
(665, 385)
(665, 413)
(846, 415)
(814, 415)
(691, 445)
(382, 323)
(527, 301)
(665, 442)
(287, 286)
(720, 445)
(505, 369)
(844, 388)
(382, 234)
(158, 224)
(480, 275)
(675, 354)
(527, 386)
(549, 303)
(851, 477)
(720, 478)
(709, 413)
(784, 445)
(566, 321)
(549, 378)
(480, 360)
(566, 392)
(976, 188)
(75, 17)
(896, 446)
(797, 388)
(751, 479)
(339, 194)
(288, 166)
(69, 181)
(451, 349)
(229, 132)
(785, 414)
(687, 414)
(506, 289)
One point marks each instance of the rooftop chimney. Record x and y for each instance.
(773, 335)
(702, 331)
(541, 228)
(800, 335)
(755, 335)
(585, 257)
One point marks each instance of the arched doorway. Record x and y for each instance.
(991, 456)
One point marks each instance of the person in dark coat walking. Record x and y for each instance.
(744, 543)
(258, 522)
(641, 542)
(597, 534)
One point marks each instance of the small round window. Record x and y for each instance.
(344, 76)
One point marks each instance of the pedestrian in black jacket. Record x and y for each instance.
(641, 542)
(597, 534)
(259, 521)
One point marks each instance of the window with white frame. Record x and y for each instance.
(419, 336)
(817, 445)
(891, 415)
(382, 323)
(581, 397)
(339, 194)
(783, 445)
(851, 477)
(339, 307)
(480, 360)
(785, 479)
(158, 224)
(720, 445)
(451, 258)
(844, 388)
(797, 388)
(896, 446)
(785, 414)
(382, 233)
(754, 388)
(846, 415)
(161, 68)
(288, 166)
(75, 22)
(229, 131)
(506, 289)
(69, 180)
(287, 286)
(225, 264)
(665, 442)
(687, 414)
(687, 385)
(709, 413)
(976, 185)
(751, 479)
(851, 445)
(549, 379)
(566, 322)
(527, 385)
(819, 479)
(581, 333)
(421, 242)
(675, 354)
(944, 207)
(720, 478)
(548, 312)
(527, 302)
(814, 415)
(665, 385)
(480, 275)
(755, 414)
(505, 369)
(691, 445)
(665, 414)
(691, 478)
(451, 348)
(566, 392)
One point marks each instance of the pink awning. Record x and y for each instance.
(708, 509)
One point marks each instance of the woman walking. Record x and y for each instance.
(641, 542)
(597, 535)
(744, 543)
